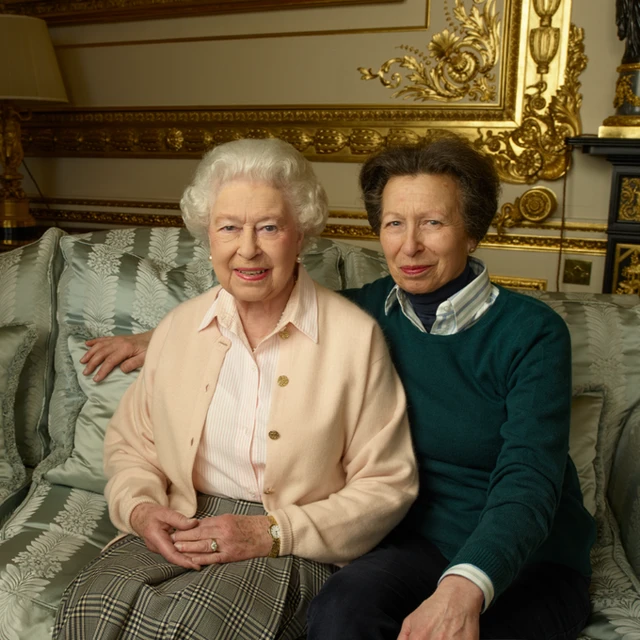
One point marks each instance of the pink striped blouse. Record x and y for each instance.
(231, 458)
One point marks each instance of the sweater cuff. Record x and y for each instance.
(475, 575)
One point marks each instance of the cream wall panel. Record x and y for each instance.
(126, 179)
(160, 180)
(588, 183)
(279, 71)
(542, 265)
(409, 13)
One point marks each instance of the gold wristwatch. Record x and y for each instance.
(274, 532)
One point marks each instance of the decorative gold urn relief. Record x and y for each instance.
(544, 40)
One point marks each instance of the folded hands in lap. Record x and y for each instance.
(186, 542)
(237, 538)
(451, 613)
(155, 524)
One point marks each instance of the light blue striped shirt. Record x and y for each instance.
(461, 311)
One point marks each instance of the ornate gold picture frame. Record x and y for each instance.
(504, 73)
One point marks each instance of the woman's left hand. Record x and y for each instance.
(237, 538)
(451, 613)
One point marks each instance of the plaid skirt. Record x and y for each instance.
(129, 592)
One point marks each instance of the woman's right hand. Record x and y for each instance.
(452, 612)
(155, 524)
(127, 351)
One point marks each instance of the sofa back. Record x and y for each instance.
(124, 281)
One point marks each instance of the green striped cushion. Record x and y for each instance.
(114, 282)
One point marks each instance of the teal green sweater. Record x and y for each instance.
(489, 410)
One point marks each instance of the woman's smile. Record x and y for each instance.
(416, 270)
(252, 275)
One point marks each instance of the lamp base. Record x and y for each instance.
(17, 225)
(15, 213)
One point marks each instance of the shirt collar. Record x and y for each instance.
(460, 310)
(301, 310)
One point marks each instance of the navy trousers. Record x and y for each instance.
(369, 598)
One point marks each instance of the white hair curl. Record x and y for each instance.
(272, 161)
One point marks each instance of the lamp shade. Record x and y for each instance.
(28, 66)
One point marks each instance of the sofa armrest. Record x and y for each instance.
(624, 487)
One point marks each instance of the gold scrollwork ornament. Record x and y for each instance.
(456, 66)
(536, 149)
(629, 208)
(534, 205)
(630, 281)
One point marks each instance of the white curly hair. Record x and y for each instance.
(272, 161)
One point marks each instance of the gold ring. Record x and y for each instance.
(214, 546)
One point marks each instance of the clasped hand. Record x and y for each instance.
(186, 542)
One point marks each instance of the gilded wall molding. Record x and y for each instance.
(344, 214)
(107, 217)
(188, 133)
(545, 243)
(65, 12)
(522, 126)
(629, 208)
(513, 282)
(54, 213)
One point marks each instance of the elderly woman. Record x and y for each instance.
(265, 439)
(497, 543)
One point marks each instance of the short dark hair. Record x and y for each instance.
(474, 173)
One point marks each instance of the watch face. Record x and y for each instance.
(274, 530)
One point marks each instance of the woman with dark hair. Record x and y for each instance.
(497, 543)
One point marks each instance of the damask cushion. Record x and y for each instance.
(16, 342)
(43, 545)
(115, 282)
(605, 345)
(624, 487)
(28, 280)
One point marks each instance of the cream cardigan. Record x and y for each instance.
(340, 471)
